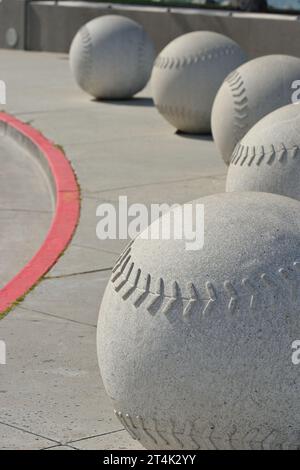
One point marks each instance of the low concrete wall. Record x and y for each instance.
(50, 26)
(13, 23)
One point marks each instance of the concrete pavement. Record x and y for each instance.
(26, 208)
(51, 395)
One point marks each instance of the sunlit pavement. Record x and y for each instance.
(51, 395)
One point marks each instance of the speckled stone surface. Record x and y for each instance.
(112, 57)
(187, 74)
(194, 347)
(251, 92)
(268, 157)
(51, 393)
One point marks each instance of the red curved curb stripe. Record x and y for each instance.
(64, 221)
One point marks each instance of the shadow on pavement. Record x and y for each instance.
(203, 137)
(137, 101)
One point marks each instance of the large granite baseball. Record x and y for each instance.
(112, 57)
(268, 157)
(249, 93)
(195, 347)
(186, 77)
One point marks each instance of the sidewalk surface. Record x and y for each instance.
(26, 208)
(51, 395)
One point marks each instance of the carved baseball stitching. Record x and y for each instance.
(257, 154)
(176, 111)
(141, 55)
(163, 62)
(240, 102)
(87, 52)
(207, 438)
(131, 283)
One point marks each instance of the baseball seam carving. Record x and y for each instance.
(177, 111)
(140, 54)
(252, 154)
(206, 439)
(87, 51)
(240, 102)
(126, 281)
(169, 62)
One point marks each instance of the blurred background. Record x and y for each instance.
(286, 6)
(259, 26)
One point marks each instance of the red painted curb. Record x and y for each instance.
(64, 221)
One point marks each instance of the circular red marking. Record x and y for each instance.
(64, 221)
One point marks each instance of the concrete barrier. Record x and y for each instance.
(13, 23)
(51, 26)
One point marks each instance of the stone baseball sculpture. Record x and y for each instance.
(112, 57)
(186, 77)
(268, 157)
(249, 93)
(195, 347)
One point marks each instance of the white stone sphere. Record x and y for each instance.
(195, 347)
(186, 77)
(249, 93)
(268, 157)
(111, 57)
